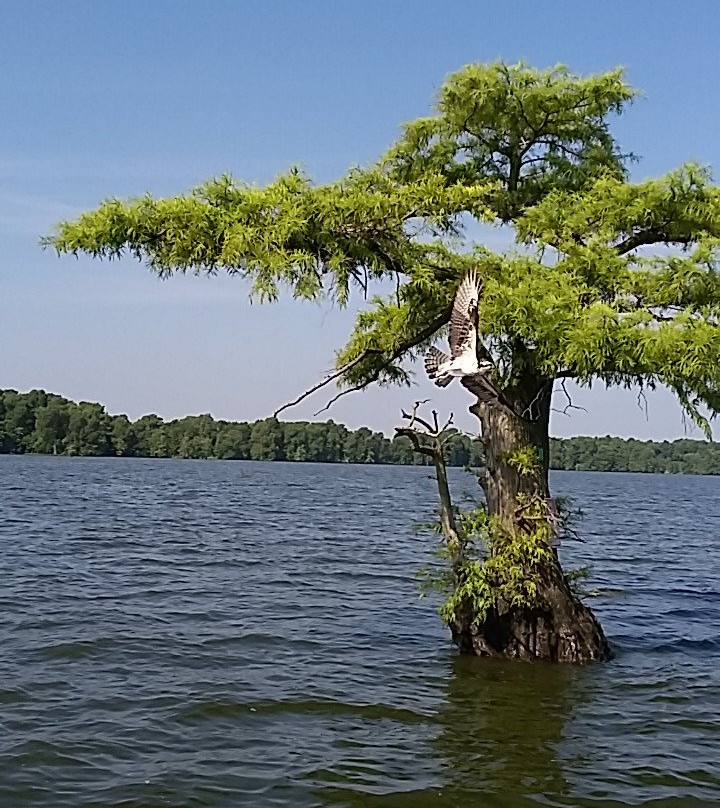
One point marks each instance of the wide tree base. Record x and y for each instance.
(561, 629)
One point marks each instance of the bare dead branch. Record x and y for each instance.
(406, 346)
(569, 405)
(429, 441)
(448, 423)
(336, 374)
(415, 439)
(346, 392)
(413, 417)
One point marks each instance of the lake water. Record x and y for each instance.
(204, 633)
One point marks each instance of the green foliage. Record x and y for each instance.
(524, 461)
(52, 423)
(591, 292)
(266, 440)
(493, 565)
(528, 130)
(577, 577)
(615, 454)
(315, 239)
(88, 430)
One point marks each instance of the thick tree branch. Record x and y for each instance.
(651, 236)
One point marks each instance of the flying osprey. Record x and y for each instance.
(463, 360)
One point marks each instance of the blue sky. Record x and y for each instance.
(116, 98)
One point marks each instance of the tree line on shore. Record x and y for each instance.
(44, 423)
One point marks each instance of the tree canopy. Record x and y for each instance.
(608, 279)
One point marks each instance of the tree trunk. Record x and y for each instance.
(558, 627)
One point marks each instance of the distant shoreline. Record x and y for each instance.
(47, 424)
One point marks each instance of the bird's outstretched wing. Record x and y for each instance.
(464, 317)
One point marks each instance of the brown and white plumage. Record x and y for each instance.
(464, 317)
(434, 359)
(463, 338)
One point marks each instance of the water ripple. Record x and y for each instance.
(229, 634)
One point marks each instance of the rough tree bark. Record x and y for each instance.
(559, 628)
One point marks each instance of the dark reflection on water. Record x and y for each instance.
(497, 738)
(224, 634)
(501, 727)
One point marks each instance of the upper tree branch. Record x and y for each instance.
(651, 236)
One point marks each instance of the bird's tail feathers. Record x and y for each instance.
(433, 359)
